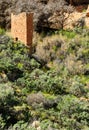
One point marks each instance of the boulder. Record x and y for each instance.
(78, 19)
(36, 124)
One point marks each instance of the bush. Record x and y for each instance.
(57, 97)
(2, 122)
(2, 31)
(37, 98)
(6, 92)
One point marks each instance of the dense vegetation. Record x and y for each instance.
(56, 95)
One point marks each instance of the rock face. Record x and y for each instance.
(78, 2)
(43, 10)
(47, 13)
(78, 19)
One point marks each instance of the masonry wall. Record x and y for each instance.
(22, 27)
(29, 28)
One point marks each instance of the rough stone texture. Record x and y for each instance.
(42, 9)
(79, 19)
(78, 2)
(47, 13)
(22, 27)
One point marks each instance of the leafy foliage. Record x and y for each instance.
(2, 31)
(57, 97)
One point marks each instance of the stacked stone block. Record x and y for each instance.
(22, 27)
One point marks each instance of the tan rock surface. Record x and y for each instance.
(76, 18)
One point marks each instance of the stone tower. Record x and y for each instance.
(22, 27)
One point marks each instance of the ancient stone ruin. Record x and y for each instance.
(22, 27)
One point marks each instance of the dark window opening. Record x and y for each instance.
(16, 39)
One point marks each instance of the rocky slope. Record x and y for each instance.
(43, 10)
(47, 13)
(33, 97)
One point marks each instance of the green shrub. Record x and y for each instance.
(2, 31)
(63, 103)
(2, 122)
(68, 33)
(6, 91)
(21, 125)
